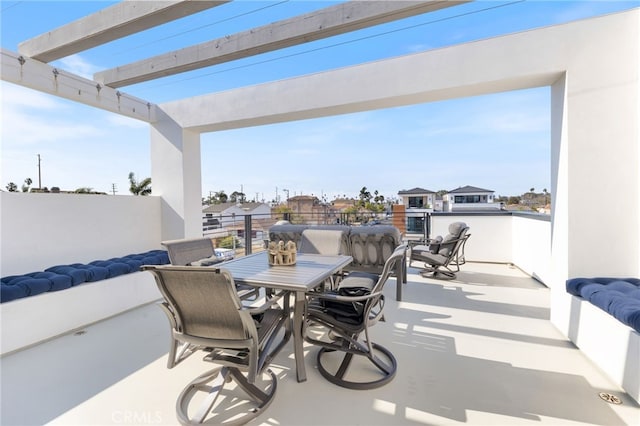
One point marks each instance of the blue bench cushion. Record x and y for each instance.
(620, 297)
(78, 276)
(15, 287)
(58, 281)
(61, 277)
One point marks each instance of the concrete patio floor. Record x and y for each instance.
(477, 350)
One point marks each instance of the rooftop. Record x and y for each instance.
(479, 349)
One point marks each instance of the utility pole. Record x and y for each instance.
(114, 188)
(39, 174)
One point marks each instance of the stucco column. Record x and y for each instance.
(176, 177)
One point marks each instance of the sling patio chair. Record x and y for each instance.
(206, 315)
(201, 252)
(336, 321)
(440, 255)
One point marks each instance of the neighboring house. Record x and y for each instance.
(219, 219)
(469, 198)
(309, 209)
(418, 198)
(418, 202)
(340, 204)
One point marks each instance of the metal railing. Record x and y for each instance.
(248, 233)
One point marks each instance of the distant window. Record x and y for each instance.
(415, 224)
(416, 202)
(468, 199)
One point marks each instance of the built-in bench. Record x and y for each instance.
(619, 297)
(606, 326)
(370, 246)
(62, 277)
(66, 298)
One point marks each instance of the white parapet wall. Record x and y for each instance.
(35, 319)
(40, 230)
(43, 230)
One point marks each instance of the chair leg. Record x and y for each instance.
(385, 368)
(208, 388)
(439, 273)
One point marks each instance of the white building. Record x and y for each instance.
(469, 198)
(418, 203)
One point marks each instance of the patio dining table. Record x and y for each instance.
(309, 271)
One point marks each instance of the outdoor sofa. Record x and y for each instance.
(369, 245)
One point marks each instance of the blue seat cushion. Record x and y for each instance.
(78, 276)
(11, 289)
(58, 281)
(94, 272)
(61, 277)
(114, 267)
(620, 297)
(9, 292)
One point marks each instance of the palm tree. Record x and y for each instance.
(139, 188)
(221, 196)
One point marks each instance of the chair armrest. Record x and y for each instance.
(274, 299)
(337, 297)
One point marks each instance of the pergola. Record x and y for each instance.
(591, 67)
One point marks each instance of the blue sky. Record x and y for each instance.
(498, 142)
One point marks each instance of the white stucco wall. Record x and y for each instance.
(38, 231)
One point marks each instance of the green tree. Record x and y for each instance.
(237, 197)
(12, 187)
(84, 190)
(514, 200)
(139, 188)
(221, 196)
(364, 197)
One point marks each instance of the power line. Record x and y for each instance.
(10, 6)
(200, 27)
(335, 44)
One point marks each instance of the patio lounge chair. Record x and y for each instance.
(206, 314)
(336, 320)
(441, 255)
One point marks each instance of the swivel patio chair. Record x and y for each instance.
(206, 314)
(336, 320)
(441, 255)
(201, 252)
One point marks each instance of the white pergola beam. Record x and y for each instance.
(39, 76)
(114, 22)
(334, 20)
